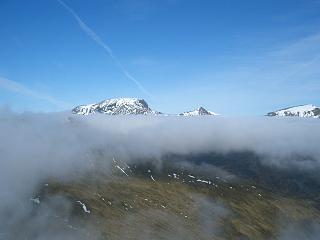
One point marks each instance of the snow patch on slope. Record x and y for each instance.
(116, 106)
(308, 110)
(198, 112)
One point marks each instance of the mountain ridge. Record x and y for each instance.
(305, 110)
(116, 106)
(130, 106)
(135, 106)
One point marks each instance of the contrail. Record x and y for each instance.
(16, 87)
(304, 66)
(102, 44)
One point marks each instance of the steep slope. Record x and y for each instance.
(198, 112)
(307, 110)
(116, 106)
(144, 202)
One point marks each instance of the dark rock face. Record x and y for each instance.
(316, 112)
(203, 111)
(144, 103)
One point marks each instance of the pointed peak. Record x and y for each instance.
(201, 111)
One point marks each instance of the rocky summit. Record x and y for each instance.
(116, 106)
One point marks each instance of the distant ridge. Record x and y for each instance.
(129, 106)
(307, 111)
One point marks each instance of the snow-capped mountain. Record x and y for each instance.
(129, 106)
(198, 112)
(117, 106)
(307, 110)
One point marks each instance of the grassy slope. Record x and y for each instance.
(137, 207)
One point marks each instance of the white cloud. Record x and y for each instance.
(16, 87)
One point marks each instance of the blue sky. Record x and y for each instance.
(232, 57)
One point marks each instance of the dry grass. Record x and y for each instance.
(136, 207)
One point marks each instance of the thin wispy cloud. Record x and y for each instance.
(295, 61)
(95, 37)
(304, 54)
(303, 47)
(143, 62)
(298, 63)
(13, 86)
(282, 75)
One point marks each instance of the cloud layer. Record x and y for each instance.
(35, 147)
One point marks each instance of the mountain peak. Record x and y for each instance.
(129, 106)
(306, 110)
(116, 106)
(201, 111)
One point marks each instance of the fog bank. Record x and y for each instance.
(35, 147)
